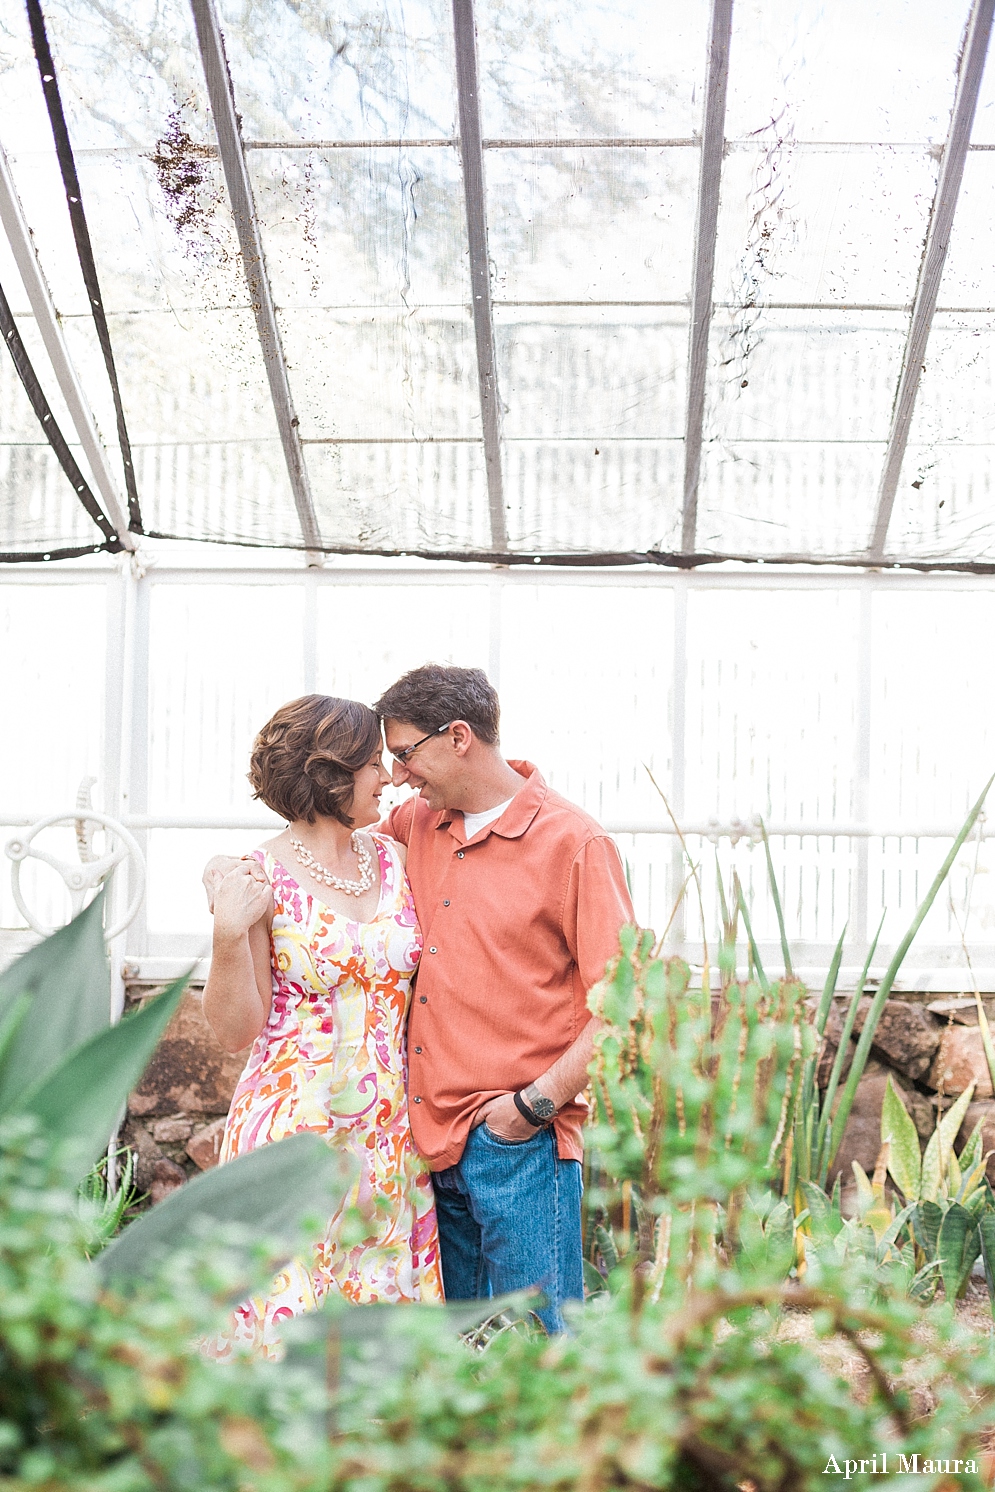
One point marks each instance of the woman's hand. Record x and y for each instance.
(218, 867)
(241, 898)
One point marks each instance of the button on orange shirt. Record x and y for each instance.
(518, 924)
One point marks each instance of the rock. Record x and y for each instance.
(922, 1111)
(147, 1153)
(960, 1061)
(986, 1112)
(190, 1073)
(906, 1036)
(167, 1177)
(862, 1136)
(205, 1147)
(169, 1131)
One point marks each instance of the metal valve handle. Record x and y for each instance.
(79, 879)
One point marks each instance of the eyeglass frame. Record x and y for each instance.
(401, 757)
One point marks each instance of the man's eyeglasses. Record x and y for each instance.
(406, 751)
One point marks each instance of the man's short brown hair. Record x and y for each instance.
(431, 696)
(304, 759)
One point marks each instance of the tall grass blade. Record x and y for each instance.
(772, 878)
(836, 1072)
(754, 950)
(884, 990)
(810, 1111)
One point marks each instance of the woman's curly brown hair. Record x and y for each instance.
(304, 759)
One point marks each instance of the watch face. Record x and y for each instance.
(544, 1108)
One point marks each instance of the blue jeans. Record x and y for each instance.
(509, 1217)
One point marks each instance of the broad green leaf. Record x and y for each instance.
(948, 1129)
(68, 979)
(971, 1184)
(594, 1283)
(929, 1188)
(986, 1037)
(825, 1217)
(79, 1102)
(926, 1222)
(986, 1234)
(865, 1192)
(268, 1190)
(888, 1237)
(957, 1248)
(954, 1177)
(905, 1159)
(971, 1153)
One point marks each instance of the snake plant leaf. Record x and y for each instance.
(971, 1153)
(825, 1217)
(948, 1130)
(67, 978)
(971, 1184)
(78, 1103)
(958, 1245)
(977, 1201)
(986, 1037)
(905, 1158)
(926, 1222)
(865, 1192)
(268, 1192)
(929, 1188)
(888, 1237)
(986, 1234)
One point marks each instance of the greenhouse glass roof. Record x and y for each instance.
(588, 282)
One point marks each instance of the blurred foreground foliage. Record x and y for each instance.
(728, 1341)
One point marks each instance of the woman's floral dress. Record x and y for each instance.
(331, 1059)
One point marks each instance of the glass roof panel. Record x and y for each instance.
(352, 71)
(803, 375)
(854, 70)
(381, 374)
(39, 510)
(124, 71)
(411, 495)
(362, 227)
(795, 225)
(800, 498)
(608, 496)
(969, 274)
(945, 504)
(591, 224)
(632, 68)
(592, 372)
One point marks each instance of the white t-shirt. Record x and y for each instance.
(474, 822)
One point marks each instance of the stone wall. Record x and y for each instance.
(931, 1048)
(176, 1117)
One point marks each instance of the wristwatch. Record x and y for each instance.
(535, 1106)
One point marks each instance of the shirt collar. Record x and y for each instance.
(517, 816)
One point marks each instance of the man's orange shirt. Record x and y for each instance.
(519, 923)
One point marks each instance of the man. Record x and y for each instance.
(520, 896)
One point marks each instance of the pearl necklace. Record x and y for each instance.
(340, 883)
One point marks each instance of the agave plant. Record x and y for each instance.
(63, 1063)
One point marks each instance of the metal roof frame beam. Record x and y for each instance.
(938, 231)
(227, 127)
(703, 268)
(472, 159)
(18, 233)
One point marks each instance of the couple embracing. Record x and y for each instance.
(459, 1090)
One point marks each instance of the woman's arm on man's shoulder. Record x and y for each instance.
(239, 987)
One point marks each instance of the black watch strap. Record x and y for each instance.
(526, 1112)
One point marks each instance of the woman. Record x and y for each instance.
(315, 945)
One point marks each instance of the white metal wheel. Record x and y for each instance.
(82, 879)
